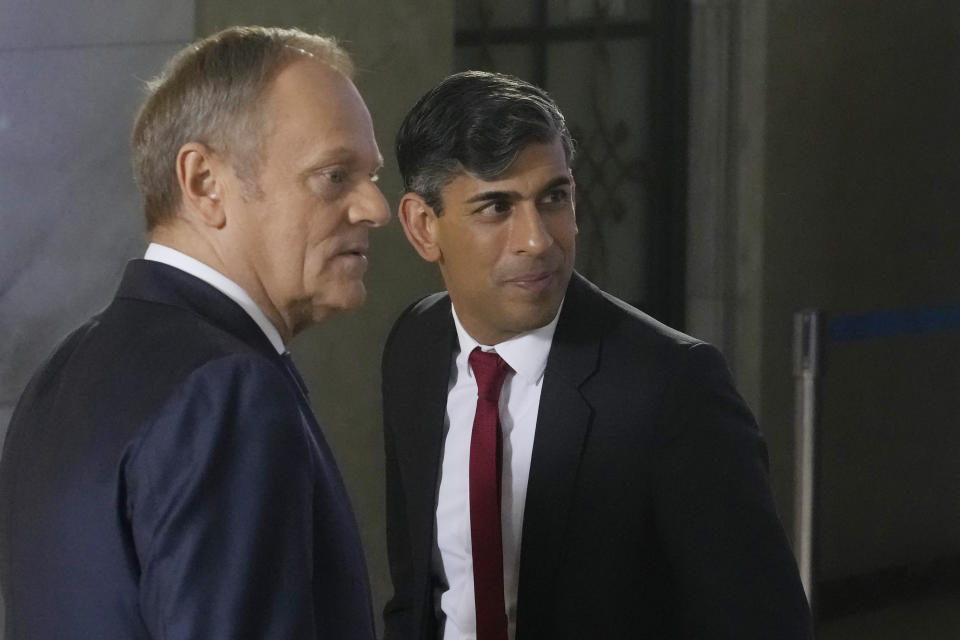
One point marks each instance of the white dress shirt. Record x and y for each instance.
(519, 405)
(178, 260)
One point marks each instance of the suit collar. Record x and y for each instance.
(163, 284)
(574, 355)
(432, 369)
(526, 353)
(167, 255)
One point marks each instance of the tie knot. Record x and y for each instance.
(490, 371)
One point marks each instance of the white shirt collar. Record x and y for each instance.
(226, 286)
(525, 353)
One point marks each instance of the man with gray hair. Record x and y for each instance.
(163, 474)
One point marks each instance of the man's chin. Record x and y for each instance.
(531, 318)
(329, 307)
(353, 298)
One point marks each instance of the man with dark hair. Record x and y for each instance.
(163, 475)
(559, 465)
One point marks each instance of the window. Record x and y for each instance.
(617, 68)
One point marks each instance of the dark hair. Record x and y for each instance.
(475, 122)
(212, 92)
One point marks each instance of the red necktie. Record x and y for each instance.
(485, 468)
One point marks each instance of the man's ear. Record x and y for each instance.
(573, 201)
(420, 224)
(197, 172)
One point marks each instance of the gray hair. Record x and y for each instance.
(212, 92)
(475, 122)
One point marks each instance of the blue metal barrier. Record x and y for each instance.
(813, 332)
(893, 324)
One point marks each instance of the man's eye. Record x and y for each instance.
(328, 183)
(497, 207)
(336, 176)
(556, 196)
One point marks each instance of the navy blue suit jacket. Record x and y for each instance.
(163, 476)
(648, 510)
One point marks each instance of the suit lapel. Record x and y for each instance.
(422, 417)
(563, 424)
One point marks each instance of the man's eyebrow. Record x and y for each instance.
(337, 155)
(559, 181)
(494, 195)
(485, 196)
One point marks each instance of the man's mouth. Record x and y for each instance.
(535, 281)
(359, 250)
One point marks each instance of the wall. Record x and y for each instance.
(862, 166)
(70, 81)
(71, 77)
(725, 204)
(824, 172)
(861, 185)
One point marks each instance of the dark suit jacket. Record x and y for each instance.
(164, 477)
(648, 511)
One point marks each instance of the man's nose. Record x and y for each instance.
(370, 207)
(529, 234)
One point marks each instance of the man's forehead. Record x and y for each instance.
(316, 112)
(347, 153)
(306, 86)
